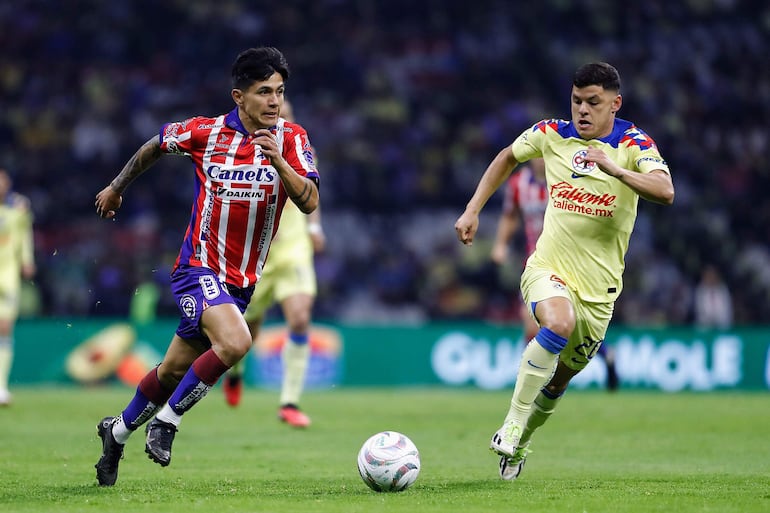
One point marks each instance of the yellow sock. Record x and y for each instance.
(542, 409)
(295, 360)
(536, 368)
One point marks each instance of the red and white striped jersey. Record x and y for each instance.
(528, 195)
(239, 196)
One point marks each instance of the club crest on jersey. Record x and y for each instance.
(580, 166)
(188, 304)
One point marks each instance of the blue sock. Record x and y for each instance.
(550, 341)
(204, 372)
(299, 339)
(150, 395)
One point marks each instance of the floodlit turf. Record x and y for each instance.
(626, 452)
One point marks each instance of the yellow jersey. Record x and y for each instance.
(16, 246)
(590, 215)
(292, 240)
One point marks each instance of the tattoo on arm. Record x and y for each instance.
(140, 162)
(304, 196)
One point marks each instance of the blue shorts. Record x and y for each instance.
(196, 289)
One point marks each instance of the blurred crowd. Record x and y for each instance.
(405, 103)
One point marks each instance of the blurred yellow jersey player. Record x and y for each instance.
(288, 279)
(16, 261)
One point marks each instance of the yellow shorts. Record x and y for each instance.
(280, 281)
(592, 319)
(9, 305)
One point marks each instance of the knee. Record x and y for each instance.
(237, 345)
(558, 315)
(297, 310)
(231, 345)
(299, 323)
(562, 326)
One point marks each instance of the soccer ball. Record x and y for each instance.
(389, 462)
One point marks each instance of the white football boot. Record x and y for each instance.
(510, 467)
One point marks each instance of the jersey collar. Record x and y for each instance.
(232, 120)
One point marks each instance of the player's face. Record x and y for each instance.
(259, 106)
(593, 110)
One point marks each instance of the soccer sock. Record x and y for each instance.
(542, 409)
(204, 372)
(150, 395)
(6, 359)
(538, 363)
(295, 355)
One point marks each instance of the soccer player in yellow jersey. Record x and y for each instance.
(597, 167)
(289, 279)
(16, 261)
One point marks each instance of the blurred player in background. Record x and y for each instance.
(597, 166)
(288, 279)
(713, 302)
(247, 163)
(17, 261)
(524, 202)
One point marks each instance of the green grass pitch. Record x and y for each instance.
(626, 452)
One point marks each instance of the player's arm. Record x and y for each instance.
(506, 226)
(316, 231)
(494, 176)
(302, 191)
(109, 199)
(655, 186)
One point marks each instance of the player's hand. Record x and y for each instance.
(108, 202)
(319, 241)
(499, 253)
(28, 271)
(267, 142)
(602, 160)
(466, 227)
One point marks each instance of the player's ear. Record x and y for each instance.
(237, 96)
(616, 104)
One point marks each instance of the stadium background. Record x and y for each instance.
(405, 103)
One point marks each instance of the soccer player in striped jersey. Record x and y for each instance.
(597, 167)
(524, 202)
(289, 279)
(248, 163)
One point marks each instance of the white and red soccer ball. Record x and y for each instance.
(389, 462)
